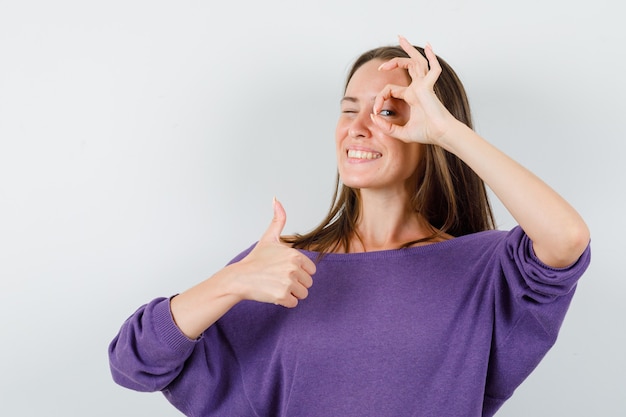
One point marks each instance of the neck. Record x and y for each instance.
(387, 221)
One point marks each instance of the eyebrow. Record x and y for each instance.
(353, 99)
(356, 100)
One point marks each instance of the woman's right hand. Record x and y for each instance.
(272, 272)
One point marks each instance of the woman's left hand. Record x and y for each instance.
(429, 119)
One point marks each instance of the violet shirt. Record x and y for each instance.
(446, 329)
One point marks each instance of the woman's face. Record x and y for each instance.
(367, 158)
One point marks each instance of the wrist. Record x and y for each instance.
(199, 307)
(227, 285)
(456, 134)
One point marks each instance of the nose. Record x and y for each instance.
(361, 125)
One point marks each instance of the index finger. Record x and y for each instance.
(390, 91)
(308, 265)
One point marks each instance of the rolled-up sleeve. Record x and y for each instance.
(149, 351)
(530, 303)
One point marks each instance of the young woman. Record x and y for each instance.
(419, 308)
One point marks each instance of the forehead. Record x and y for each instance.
(368, 79)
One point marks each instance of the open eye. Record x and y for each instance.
(386, 113)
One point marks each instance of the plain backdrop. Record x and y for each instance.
(141, 143)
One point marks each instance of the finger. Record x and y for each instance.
(410, 49)
(388, 92)
(308, 265)
(306, 280)
(435, 66)
(273, 232)
(388, 128)
(420, 63)
(297, 276)
(300, 292)
(415, 69)
(289, 301)
(395, 63)
(291, 296)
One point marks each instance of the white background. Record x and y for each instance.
(141, 143)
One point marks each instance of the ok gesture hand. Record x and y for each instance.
(429, 119)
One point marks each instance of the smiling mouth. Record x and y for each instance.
(355, 154)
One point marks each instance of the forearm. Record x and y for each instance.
(558, 233)
(201, 306)
(271, 273)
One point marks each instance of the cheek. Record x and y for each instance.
(341, 132)
(413, 156)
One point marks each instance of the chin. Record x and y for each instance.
(358, 185)
(353, 181)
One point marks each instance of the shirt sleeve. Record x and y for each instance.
(149, 351)
(199, 377)
(530, 303)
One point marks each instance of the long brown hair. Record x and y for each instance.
(450, 196)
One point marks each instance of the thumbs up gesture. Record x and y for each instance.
(273, 272)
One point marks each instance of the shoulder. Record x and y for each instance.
(487, 240)
(242, 254)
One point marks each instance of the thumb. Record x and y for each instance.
(388, 128)
(273, 232)
(391, 129)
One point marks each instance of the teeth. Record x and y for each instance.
(363, 154)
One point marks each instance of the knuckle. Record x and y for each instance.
(292, 274)
(295, 256)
